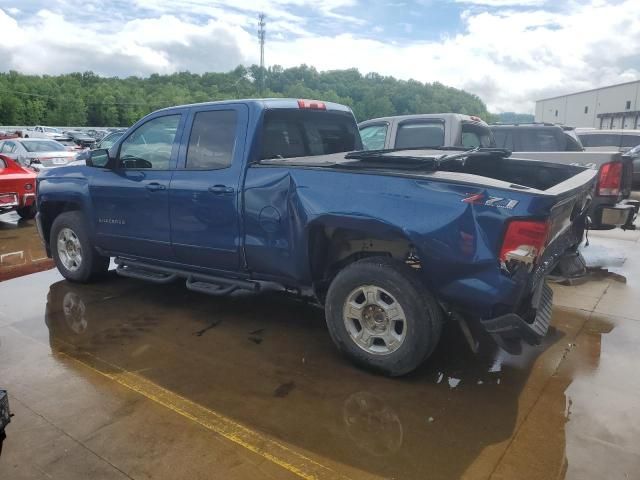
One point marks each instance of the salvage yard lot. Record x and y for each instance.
(123, 379)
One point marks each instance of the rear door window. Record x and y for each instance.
(289, 133)
(474, 135)
(212, 140)
(374, 136)
(420, 134)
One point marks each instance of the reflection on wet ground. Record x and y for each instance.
(564, 409)
(21, 251)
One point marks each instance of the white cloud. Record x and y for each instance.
(505, 3)
(508, 56)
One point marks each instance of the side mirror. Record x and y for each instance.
(98, 158)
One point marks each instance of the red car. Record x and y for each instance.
(17, 188)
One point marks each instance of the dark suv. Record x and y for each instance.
(536, 137)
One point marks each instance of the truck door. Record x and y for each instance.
(205, 190)
(131, 200)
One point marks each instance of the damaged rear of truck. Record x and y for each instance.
(480, 230)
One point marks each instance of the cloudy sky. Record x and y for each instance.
(508, 52)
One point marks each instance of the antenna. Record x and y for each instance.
(261, 35)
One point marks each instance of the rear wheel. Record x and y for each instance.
(72, 251)
(380, 315)
(27, 213)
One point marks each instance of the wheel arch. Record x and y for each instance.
(50, 210)
(333, 245)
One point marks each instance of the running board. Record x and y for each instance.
(144, 274)
(199, 282)
(209, 288)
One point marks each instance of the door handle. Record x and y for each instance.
(155, 186)
(221, 189)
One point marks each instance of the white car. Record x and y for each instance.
(37, 153)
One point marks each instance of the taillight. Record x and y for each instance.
(524, 241)
(28, 186)
(610, 179)
(311, 104)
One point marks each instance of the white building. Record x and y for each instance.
(617, 106)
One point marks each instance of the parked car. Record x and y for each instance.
(536, 137)
(17, 188)
(426, 130)
(609, 207)
(37, 153)
(81, 138)
(260, 194)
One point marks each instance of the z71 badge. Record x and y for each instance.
(489, 201)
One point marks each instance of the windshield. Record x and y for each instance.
(51, 130)
(303, 133)
(47, 146)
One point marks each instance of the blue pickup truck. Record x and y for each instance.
(264, 194)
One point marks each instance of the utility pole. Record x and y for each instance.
(261, 36)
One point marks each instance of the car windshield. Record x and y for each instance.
(302, 133)
(39, 146)
(51, 130)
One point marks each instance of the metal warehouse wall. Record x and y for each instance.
(617, 106)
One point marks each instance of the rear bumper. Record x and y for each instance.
(530, 325)
(620, 215)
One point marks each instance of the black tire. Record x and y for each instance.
(27, 213)
(92, 265)
(423, 315)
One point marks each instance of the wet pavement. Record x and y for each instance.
(123, 379)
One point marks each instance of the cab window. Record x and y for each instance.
(420, 134)
(373, 136)
(150, 145)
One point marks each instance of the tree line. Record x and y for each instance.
(87, 99)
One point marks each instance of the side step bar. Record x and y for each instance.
(199, 282)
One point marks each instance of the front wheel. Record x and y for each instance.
(381, 315)
(72, 251)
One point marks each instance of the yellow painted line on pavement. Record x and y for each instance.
(256, 442)
(261, 444)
